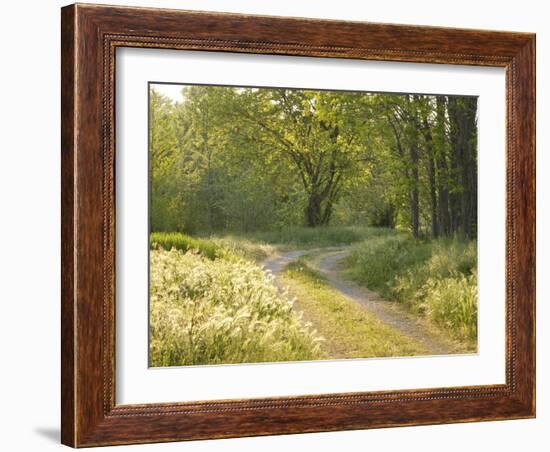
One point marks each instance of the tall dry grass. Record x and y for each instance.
(219, 311)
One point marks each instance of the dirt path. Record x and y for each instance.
(275, 264)
(328, 261)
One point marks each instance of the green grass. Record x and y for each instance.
(303, 237)
(436, 279)
(184, 242)
(213, 247)
(348, 329)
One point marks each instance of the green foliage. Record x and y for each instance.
(229, 159)
(221, 311)
(437, 278)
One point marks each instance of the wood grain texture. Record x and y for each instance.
(90, 36)
(67, 226)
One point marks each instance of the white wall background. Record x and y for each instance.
(29, 225)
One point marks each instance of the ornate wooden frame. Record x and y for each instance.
(90, 35)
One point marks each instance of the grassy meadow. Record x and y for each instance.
(212, 302)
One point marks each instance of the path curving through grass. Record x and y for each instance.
(389, 312)
(355, 322)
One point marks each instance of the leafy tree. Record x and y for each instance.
(248, 159)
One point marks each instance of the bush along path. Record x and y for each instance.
(354, 321)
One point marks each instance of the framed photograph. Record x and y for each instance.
(280, 225)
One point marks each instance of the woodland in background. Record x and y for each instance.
(260, 159)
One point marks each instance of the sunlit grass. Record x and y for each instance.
(184, 242)
(348, 329)
(213, 247)
(220, 311)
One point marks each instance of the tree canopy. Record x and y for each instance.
(246, 159)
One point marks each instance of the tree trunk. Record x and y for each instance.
(414, 192)
(313, 211)
(431, 175)
(318, 211)
(433, 196)
(470, 172)
(442, 170)
(322, 191)
(455, 198)
(443, 198)
(462, 114)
